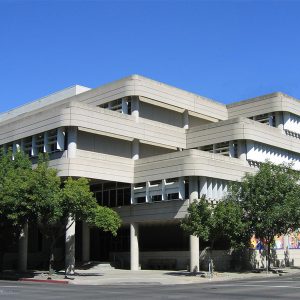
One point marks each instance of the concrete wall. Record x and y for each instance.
(190, 163)
(264, 104)
(160, 114)
(149, 150)
(240, 129)
(194, 121)
(103, 144)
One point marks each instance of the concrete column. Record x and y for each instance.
(231, 149)
(23, 249)
(163, 190)
(33, 146)
(215, 188)
(70, 246)
(203, 186)
(134, 247)
(46, 146)
(135, 107)
(194, 254)
(241, 149)
(85, 242)
(181, 188)
(209, 188)
(220, 189)
(279, 120)
(124, 106)
(214, 148)
(194, 241)
(185, 119)
(60, 144)
(22, 145)
(148, 199)
(72, 142)
(132, 200)
(250, 149)
(286, 120)
(270, 119)
(193, 188)
(15, 148)
(135, 149)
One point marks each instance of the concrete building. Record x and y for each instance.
(149, 150)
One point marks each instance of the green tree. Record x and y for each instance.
(15, 209)
(198, 220)
(270, 200)
(54, 202)
(210, 223)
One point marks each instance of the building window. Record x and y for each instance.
(140, 199)
(156, 198)
(173, 196)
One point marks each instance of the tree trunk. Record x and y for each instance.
(268, 257)
(51, 257)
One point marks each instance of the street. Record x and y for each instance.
(286, 287)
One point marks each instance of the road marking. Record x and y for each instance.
(260, 285)
(261, 281)
(10, 286)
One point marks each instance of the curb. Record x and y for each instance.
(44, 280)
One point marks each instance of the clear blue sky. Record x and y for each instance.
(225, 50)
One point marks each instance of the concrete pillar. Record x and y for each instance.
(132, 200)
(214, 148)
(194, 241)
(60, 144)
(194, 254)
(85, 242)
(70, 246)
(135, 107)
(250, 150)
(16, 148)
(23, 249)
(163, 190)
(134, 247)
(185, 119)
(46, 139)
(270, 119)
(181, 188)
(148, 198)
(209, 188)
(286, 120)
(22, 144)
(279, 120)
(72, 142)
(135, 149)
(241, 150)
(231, 149)
(124, 106)
(203, 186)
(193, 188)
(33, 146)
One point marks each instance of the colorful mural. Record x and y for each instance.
(258, 244)
(294, 240)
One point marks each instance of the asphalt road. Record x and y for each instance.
(286, 287)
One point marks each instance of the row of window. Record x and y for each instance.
(49, 141)
(222, 148)
(122, 105)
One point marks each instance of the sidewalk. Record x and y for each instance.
(142, 277)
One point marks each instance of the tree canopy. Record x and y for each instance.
(270, 200)
(210, 223)
(40, 196)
